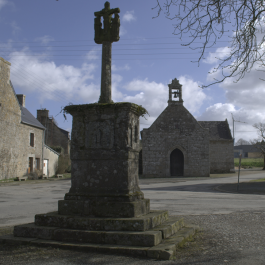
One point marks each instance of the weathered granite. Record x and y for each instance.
(105, 36)
(104, 152)
(143, 223)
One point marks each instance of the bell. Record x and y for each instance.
(175, 94)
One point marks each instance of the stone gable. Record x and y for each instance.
(176, 144)
(175, 128)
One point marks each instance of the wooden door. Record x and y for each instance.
(30, 167)
(176, 163)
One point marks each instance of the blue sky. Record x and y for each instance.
(55, 61)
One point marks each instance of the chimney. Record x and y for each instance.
(21, 99)
(42, 116)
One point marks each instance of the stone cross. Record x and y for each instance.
(106, 36)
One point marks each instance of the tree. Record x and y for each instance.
(260, 142)
(242, 142)
(207, 21)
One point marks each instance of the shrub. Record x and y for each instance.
(64, 163)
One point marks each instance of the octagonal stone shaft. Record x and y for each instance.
(105, 96)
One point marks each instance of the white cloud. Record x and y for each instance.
(154, 96)
(219, 54)
(193, 96)
(44, 39)
(129, 16)
(15, 27)
(123, 31)
(244, 119)
(53, 82)
(93, 54)
(3, 3)
(115, 68)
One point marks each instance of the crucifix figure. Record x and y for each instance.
(105, 36)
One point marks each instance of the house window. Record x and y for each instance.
(32, 139)
(37, 163)
(30, 167)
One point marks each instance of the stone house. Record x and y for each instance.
(21, 137)
(176, 144)
(247, 151)
(54, 136)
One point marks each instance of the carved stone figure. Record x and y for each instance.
(110, 32)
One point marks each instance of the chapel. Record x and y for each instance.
(176, 144)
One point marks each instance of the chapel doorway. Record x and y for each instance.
(176, 163)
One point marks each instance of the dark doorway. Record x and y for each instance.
(176, 163)
(140, 163)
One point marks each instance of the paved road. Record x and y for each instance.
(20, 202)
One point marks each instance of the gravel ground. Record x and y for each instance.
(237, 238)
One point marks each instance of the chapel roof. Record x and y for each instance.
(218, 130)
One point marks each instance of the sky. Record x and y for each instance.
(55, 62)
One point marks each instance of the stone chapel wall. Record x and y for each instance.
(221, 156)
(175, 128)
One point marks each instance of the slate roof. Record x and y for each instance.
(219, 130)
(66, 133)
(48, 147)
(28, 118)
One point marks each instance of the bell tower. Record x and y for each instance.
(175, 92)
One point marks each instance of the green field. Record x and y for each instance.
(249, 162)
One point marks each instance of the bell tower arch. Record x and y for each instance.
(175, 92)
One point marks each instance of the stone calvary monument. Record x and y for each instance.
(105, 210)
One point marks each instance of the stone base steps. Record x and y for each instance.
(149, 238)
(142, 223)
(166, 250)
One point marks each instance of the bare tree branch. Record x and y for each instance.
(209, 20)
(260, 143)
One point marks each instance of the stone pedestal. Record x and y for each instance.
(104, 155)
(105, 209)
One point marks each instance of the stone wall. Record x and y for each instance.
(15, 148)
(221, 156)
(10, 117)
(175, 128)
(54, 136)
(26, 151)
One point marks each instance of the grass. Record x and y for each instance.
(66, 175)
(257, 180)
(7, 180)
(249, 162)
